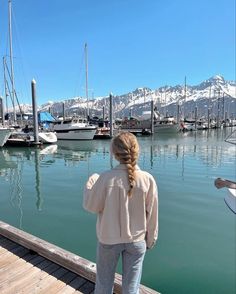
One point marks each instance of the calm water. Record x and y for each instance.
(41, 193)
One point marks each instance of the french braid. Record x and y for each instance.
(126, 150)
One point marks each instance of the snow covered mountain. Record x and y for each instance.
(215, 93)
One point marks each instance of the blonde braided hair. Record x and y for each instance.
(126, 150)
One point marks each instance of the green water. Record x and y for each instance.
(41, 193)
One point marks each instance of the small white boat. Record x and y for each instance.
(4, 135)
(75, 128)
(27, 138)
(230, 199)
(47, 137)
(188, 126)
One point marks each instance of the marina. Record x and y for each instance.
(42, 188)
(126, 78)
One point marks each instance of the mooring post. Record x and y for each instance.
(152, 117)
(103, 115)
(177, 114)
(111, 114)
(63, 110)
(35, 112)
(196, 118)
(208, 118)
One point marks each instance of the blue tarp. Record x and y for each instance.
(45, 117)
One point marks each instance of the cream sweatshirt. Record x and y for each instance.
(123, 219)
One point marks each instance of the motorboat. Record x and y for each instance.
(75, 128)
(25, 137)
(166, 125)
(192, 125)
(47, 137)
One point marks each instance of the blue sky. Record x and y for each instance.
(131, 43)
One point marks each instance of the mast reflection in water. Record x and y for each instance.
(41, 192)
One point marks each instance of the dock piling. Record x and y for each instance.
(35, 113)
(152, 117)
(111, 114)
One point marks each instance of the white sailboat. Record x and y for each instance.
(4, 135)
(76, 128)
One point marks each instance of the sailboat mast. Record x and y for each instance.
(5, 83)
(208, 109)
(185, 94)
(86, 74)
(11, 60)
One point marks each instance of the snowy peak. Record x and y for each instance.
(217, 79)
(140, 98)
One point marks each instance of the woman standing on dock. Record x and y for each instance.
(126, 202)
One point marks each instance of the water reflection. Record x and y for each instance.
(203, 145)
(44, 188)
(208, 147)
(12, 163)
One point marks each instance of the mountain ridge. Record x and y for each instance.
(166, 98)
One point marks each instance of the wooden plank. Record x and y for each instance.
(65, 258)
(33, 286)
(22, 278)
(67, 290)
(2, 250)
(43, 285)
(7, 260)
(18, 278)
(59, 284)
(72, 262)
(12, 269)
(21, 266)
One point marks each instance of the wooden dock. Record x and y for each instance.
(31, 265)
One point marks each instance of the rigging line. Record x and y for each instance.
(80, 74)
(17, 100)
(16, 38)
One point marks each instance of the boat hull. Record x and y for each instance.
(77, 134)
(4, 135)
(47, 137)
(230, 199)
(165, 128)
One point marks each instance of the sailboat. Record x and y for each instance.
(19, 135)
(76, 128)
(4, 135)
